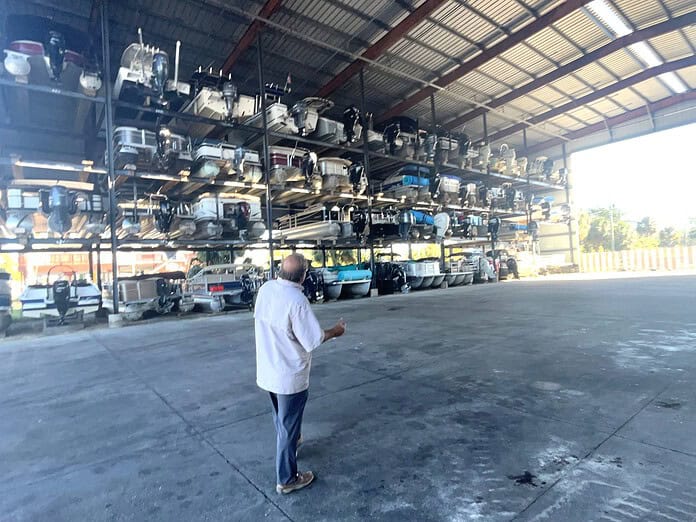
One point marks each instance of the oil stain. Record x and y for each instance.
(672, 405)
(525, 478)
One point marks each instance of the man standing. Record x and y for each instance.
(287, 331)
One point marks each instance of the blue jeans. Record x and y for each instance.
(287, 416)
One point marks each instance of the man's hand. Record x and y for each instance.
(335, 331)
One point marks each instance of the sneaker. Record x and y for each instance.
(303, 479)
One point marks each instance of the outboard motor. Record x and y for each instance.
(238, 161)
(61, 298)
(483, 196)
(359, 222)
(60, 205)
(299, 115)
(494, 227)
(406, 221)
(309, 170)
(248, 290)
(313, 286)
(165, 154)
(510, 194)
(358, 178)
(435, 186)
(160, 73)
(390, 135)
(547, 169)
(55, 49)
(351, 120)
(533, 230)
(469, 194)
(464, 142)
(164, 216)
(243, 214)
(229, 94)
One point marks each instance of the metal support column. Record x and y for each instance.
(91, 264)
(266, 152)
(366, 166)
(570, 219)
(442, 257)
(323, 256)
(109, 110)
(485, 128)
(432, 111)
(99, 268)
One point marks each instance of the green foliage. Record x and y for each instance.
(669, 237)
(596, 231)
(646, 227)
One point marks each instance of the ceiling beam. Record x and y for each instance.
(642, 76)
(637, 36)
(249, 36)
(382, 45)
(634, 114)
(480, 59)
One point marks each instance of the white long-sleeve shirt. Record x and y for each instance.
(287, 331)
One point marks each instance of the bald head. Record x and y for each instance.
(293, 268)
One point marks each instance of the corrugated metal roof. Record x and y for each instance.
(689, 76)
(653, 90)
(642, 13)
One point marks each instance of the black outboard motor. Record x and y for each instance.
(547, 169)
(313, 286)
(510, 194)
(359, 223)
(435, 186)
(160, 74)
(55, 49)
(60, 205)
(483, 198)
(391, 132)
(248, 290)
(406, 221)
(61, 298)
(494, 227)
(243, 215)
(351, 119)
(357, 177)
(164, 216)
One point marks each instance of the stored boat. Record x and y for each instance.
(410, 184)
(159, 293)
(316, 223)
(217, 287)
(143, 77)
(228, 215)
(217, 98)
(142, 149)
(423, 274)
(346, 281)
(58, 297)
(213, 158)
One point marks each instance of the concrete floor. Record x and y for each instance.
(559, 401)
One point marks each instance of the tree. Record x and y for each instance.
(646, 227)
(597, 228)
(669, 237)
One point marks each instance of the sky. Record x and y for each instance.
(654, 175)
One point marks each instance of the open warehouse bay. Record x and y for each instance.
(571, 401)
